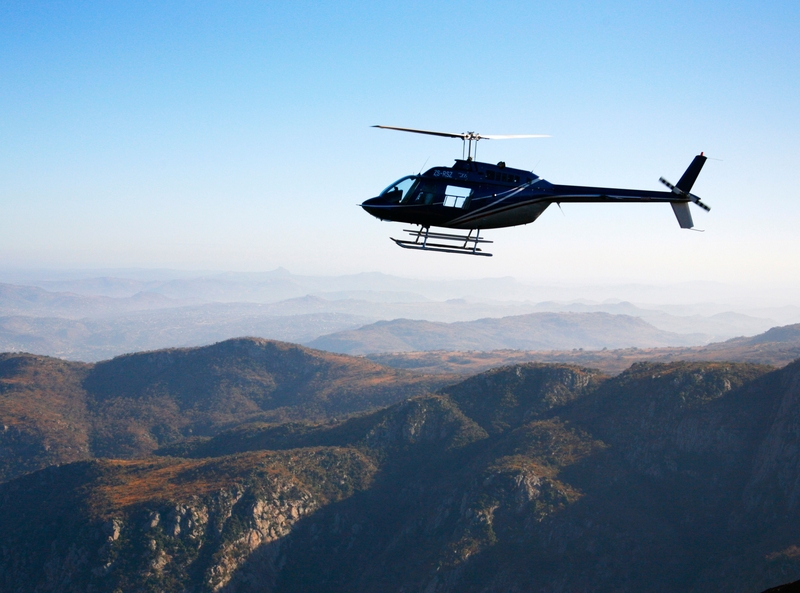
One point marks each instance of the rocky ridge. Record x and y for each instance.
(161, 525)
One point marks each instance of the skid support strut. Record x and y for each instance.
(449, 242)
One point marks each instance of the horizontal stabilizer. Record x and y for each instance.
(681, 210)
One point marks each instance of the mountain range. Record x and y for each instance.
(260, 466)
(95, 318)
(94, 339)
(535, 331)
(778, 346)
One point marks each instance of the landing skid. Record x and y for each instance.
(464, 244)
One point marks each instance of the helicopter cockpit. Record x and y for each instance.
(400, 190)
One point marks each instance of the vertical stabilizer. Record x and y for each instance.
(690, 176)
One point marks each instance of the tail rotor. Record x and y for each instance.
(686, 195)
(683, 192)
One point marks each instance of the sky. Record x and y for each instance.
(237, 135)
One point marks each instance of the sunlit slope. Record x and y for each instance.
(53, 411)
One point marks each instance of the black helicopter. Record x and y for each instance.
(472, 196)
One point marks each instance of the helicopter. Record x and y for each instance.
(473, 196)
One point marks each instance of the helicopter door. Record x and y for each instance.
(456, 197)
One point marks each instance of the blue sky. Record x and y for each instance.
(236, 136)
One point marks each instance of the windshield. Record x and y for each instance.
(399, 189)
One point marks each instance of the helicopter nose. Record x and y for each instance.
(371, 206)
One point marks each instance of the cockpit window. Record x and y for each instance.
(399, 189)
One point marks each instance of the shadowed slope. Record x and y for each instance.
(510, 396)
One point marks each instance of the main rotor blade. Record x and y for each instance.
(465, 135)
(509, 136)
(445, 134)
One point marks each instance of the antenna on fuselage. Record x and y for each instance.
(423, 165)
(467, 138)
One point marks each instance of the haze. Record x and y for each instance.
(236, 136)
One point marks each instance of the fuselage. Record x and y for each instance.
(475, 195)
